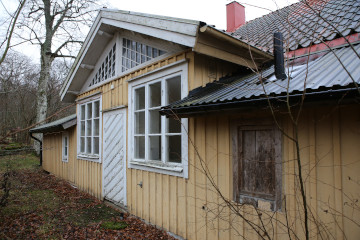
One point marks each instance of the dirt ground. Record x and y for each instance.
(41, 206)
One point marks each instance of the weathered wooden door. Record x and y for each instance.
(114, 156)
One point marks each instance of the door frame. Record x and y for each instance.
(122, 110)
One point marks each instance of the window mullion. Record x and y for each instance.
(163, 125)
(92, 127)
(147, 125)
(85, 132)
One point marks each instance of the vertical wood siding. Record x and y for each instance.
(192, 207)
(85, 175)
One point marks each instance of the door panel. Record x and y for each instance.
(114, 156)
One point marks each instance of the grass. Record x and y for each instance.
(114, 225)
(41, 206)
(19, 162)
(50, 204)
(91, 214)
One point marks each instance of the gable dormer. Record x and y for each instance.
(120, 41)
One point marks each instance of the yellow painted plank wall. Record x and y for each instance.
(193, 209)
(84, 174)
(52, 155)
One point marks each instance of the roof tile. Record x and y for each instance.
(344, 15)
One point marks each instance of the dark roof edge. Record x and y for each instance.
(331, 94)
(56, 126)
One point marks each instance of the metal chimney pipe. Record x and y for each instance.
(279, 56)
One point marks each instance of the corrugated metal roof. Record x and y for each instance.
(303, 26)
(325, 72)
(60, 124)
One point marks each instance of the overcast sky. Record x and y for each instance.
(213, 12)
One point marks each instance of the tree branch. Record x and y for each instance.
(12, 26)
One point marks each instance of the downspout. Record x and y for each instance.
(40, 142)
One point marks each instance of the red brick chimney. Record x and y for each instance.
(235, 16)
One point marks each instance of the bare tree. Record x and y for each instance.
(57, 27)
(13, 19)
(17, 92)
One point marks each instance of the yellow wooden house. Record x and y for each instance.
(191, 129)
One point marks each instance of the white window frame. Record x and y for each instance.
(163, 166)
(65, 145)
(118, 39)
(103, 67)
(84, 155)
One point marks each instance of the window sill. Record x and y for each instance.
(169, 169)
(259, 203)
(93, 158)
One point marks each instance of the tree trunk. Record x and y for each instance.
(42, 103)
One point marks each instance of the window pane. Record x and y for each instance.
(140, 98)
(173, 89)
(174, 125)
(174, 148)
(155, 147)
(82, 112)
(138, 57)
(265, 156)
(139, 147)
(82, 127)
(96, 127)
(258, 159)
(149, 51)
(155, 121)
(65, 146)
(82, 144)
(89, 111)
(96, 109)
(140, 123)
(155, 52)
(88, 128)
(155, 94)
(88, 145)
(96, 145)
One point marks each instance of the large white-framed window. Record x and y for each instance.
(158, 143)
(89, 132)
(65, 147)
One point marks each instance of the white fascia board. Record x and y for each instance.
(180, 31)
(162, 22)
(175, 30)
(92, 33)
(167, 35)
